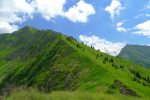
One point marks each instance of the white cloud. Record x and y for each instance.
(12, 11)
(140, 16)
(80, 12)
(102, 44)
(50, 8)
(114, 8)
(143, 29)
(18, 11)
(7, 28)
(120, 28)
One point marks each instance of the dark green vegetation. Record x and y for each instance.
(50, 61)
(137, 53)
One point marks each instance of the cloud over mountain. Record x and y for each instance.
(102, 44)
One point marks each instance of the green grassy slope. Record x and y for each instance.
(33, 94)
(51, 61)
(137, 53)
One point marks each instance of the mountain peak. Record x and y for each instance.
(26, 29)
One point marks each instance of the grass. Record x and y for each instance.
(33, 94)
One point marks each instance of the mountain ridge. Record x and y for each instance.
(137, 53)
(52, 61)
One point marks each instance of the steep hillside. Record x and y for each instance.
(137, 53)
(51, 61)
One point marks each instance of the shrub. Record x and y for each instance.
(144, 84)
(111, 60)
(138, 75)
(97, 56)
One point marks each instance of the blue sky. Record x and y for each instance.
(104, 24)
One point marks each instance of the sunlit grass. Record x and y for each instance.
(32, 94)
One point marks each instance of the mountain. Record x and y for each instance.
(51, 61)
(139, 54)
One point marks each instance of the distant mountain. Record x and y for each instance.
(51, 61)
(139, 54)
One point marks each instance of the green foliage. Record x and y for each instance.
(138, 78)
